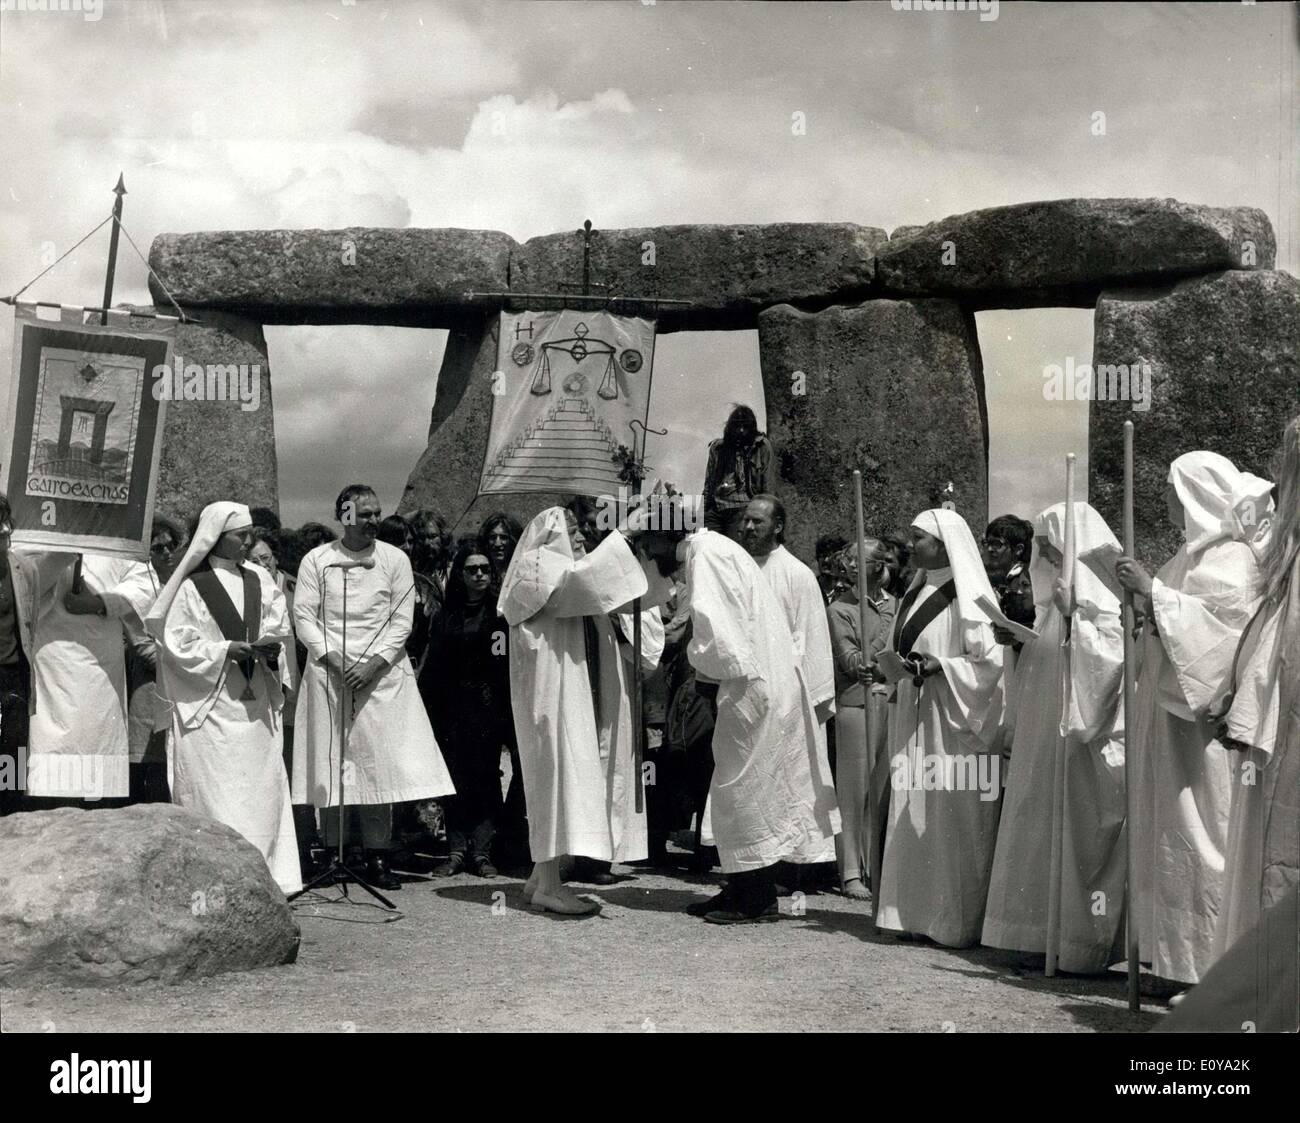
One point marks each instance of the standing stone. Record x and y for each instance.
(728, 273)
(219, 449)
(1064, 251)
(893, 387)
(1224, 359)
(447, 474)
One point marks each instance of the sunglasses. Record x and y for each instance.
(477, 569)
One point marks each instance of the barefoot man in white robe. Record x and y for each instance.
(391, 755)
(943, 740)
(1197, 605)
(561, 673)
(771, 795)
(795, 585)
(221, 627)
(1093, 854)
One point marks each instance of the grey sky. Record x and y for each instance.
(529, 117)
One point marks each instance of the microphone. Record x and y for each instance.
(353, 563)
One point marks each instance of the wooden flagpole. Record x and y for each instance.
(1058, 768)
(119, 191)
(1130, 690)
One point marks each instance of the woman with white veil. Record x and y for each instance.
(221, 628)
(1092, 851)
(943, 741)
(1198, 604)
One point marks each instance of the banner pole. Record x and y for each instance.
(119, 191)
(1130, 690)
(1059, 756)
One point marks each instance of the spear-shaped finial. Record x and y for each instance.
(119, 191)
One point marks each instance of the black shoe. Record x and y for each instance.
(720, 900)
(379, 875)
(590, 871)
(733, 914)
(481, 866)
(451, 867)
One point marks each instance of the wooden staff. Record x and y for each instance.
(1058, 767)
(1130, 688)
(874, 857)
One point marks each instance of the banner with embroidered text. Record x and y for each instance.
(83, 430)
(566, 387)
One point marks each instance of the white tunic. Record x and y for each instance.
(226, 750)
(391, 753)
(943, 808)
(78, 739)
(1093, 853)
(1263, 855)
(577, 772)
(796, 588)
(771, 795)
(1182, 774)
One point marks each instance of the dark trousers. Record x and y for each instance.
(148, 781)
(753, 890)
(15, 687)
(474, 761)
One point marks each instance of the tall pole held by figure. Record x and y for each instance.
(1059, 760)
(874, 857)
(1130, 690)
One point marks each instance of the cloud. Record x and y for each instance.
(529, 118)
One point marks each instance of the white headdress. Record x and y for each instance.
(216, 519)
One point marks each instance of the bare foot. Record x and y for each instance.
(856, 890)
(563, 904)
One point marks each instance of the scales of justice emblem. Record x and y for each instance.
(570, 438)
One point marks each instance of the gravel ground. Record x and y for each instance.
(467, 954)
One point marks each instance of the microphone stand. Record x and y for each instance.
(338, 872)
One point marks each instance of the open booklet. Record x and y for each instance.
(1101, 560)
(996, 614)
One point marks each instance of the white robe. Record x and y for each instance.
(391, 754)
(1181, 772)
(146, 712)
(796, 588)
(225, 750)
(1263, 856)
(578, 774)
(78, 745)
(627, 826)
(771, 795)
(1093, 855)
(940, 842)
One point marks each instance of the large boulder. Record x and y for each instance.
(728, 273)
(99, 898)
(219, 448)
(1223, 354)
(358, 275)
(1064, 251)
(892, 387)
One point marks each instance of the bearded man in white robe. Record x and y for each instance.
(795, 585)
(771, 796)
(943, 741)
(221, 627)
(78, 746)
(1086, 617)
(1198, 604)
(569, 697)
(391, 755)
